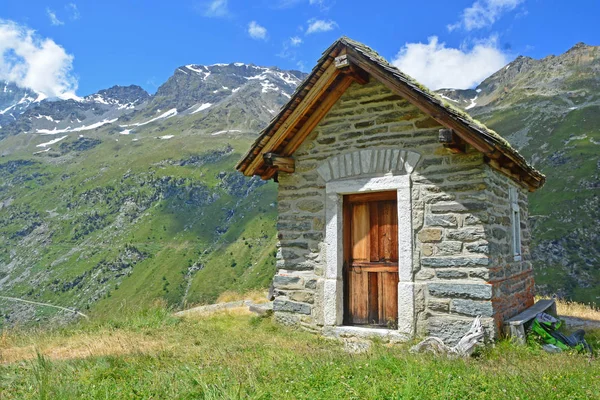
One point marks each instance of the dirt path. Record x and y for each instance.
(44, 305)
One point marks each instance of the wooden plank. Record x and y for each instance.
(358, 75)
(268, 174)
(389, 285)
(372, 196)
(356, 266)
(347, 240)
(388, 233)
(347, 210)
(342, 61)
(360, 232)
(394, 231)
(359, 291)
(515, 327)
(317, 115)
(322, 84)
(373, 303)
(380, 300)
(285, 164)
(374, 231)
(374, 264)
(531, 312)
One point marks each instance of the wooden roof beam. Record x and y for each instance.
(320, 86)
(451, 141)
(285, 164)
(317, 115)
(344, 64)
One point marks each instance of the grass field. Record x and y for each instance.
(149, 354)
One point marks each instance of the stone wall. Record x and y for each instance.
(454, 247)
(512, 279)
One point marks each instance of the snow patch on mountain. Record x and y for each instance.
(78, 129)
(195, 69)
(48, 117)
(52, 141)
(171, 113)
(202, 107)
(225, 131)
(473, 103)
(268, 87)
(42, 151)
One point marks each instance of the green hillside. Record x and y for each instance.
(106, 221)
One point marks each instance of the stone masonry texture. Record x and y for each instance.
(461, 222)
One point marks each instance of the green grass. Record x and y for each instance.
(150, 354)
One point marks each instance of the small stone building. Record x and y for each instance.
(399, 215)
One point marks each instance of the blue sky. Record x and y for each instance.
(60, 47)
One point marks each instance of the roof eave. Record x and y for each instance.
(473, 132)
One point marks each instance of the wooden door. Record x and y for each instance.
(371, 259)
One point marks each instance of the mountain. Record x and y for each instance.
(13, 101)
(54, 116)
(550, 110)
(121, 197)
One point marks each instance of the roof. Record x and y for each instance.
(324, 86)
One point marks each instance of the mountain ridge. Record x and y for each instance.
(125, 205)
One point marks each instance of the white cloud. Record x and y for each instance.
(287, 51)
(256, 31)
(216, 8)
(287, 3)
(34, 62)
(324, 5)
(438, 66)
(320, 25)
(484, 13)
(53, 18)
(73, 11)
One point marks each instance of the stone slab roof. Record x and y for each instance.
(325, 84)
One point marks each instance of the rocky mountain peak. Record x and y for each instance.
(14, 100)
(120, 95)
(201, 86)
(580, 46)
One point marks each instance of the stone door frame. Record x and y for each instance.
(357, 182)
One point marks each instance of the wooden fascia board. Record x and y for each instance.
(282, 163)
(437, 112)
(316, 117)
(327, 58)
(322, 83)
